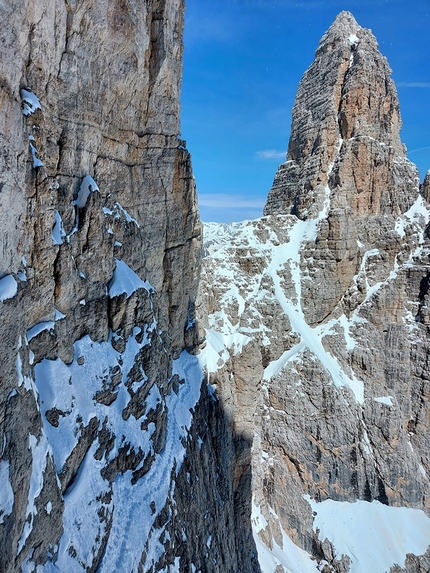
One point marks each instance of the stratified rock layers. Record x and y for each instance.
(99, 262)
(317, 313)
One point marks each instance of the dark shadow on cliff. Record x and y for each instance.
(213, 495)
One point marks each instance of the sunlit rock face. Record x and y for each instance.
(111, 447)
(317, 328)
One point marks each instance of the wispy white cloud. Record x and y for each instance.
(414, 85)
(419, 149)
(210, 27)
(271, 154)
(225, 201)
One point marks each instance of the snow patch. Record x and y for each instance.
(8, 288)
(39, 454)
(387, 400)
(30, 103)
(6, 492)
(58, 315)
(58, 231)
(40, 327)
(125, 280)
(36, 161)
(413, 214)
(88, 186)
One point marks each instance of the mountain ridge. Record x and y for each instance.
(316, 315)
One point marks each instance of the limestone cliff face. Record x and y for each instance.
(345, 147)
(317, 314)
(99, 264)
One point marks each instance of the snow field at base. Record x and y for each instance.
(8, 288)
(373, 535)
(71, 389)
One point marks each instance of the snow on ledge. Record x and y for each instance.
(387, 400)
(88, 185)
(126, 214)
(8, 287)
(373, 535)
(353, 40)
(125, 280)
(30, 102)
(38, 328)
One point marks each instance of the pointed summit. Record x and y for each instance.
(345, 129)
(344, 21)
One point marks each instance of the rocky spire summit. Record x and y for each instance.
(345, 131)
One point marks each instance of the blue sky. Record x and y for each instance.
(242, 65)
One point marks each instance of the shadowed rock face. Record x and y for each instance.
(331, 289)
